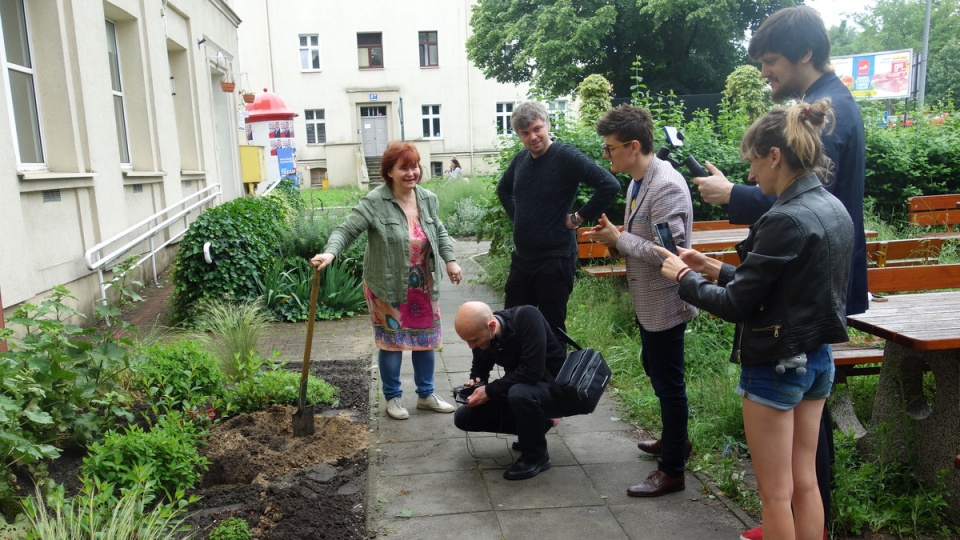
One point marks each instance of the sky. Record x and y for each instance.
(832, 10)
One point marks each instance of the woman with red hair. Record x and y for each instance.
(407, 251)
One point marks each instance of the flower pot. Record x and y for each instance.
(248, 98)
(228, 86)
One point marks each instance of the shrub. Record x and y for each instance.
(232, 329)
(180, 376)
(167, 453)
(278, 386)
(244, 234)
(232, 528)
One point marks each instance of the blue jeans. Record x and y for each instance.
(423, 364)
(662, 357)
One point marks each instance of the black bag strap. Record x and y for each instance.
(566, 338)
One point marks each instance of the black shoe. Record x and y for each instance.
(521, 469)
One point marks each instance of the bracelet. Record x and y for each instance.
(682, 273)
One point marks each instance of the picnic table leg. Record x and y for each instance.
(908, 428)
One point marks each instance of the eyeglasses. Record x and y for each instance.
(607, 149)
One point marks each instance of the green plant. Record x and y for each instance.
(179, 376)
(243, 235)
(232, 528)
(277, 386)
(98, 512)
(231, 330)
(165, 459)
(60, 384)
(290, 191)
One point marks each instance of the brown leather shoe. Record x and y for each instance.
(654, 447)
(657, 484)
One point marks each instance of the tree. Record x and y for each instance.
(687, 46)
(747, 93)
(898, 24)
(593, 94)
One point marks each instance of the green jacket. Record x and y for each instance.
(386, 262)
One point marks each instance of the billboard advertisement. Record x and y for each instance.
(882, 75)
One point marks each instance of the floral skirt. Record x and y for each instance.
(413, 325)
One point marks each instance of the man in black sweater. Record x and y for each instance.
(538, 191)
(520, 403)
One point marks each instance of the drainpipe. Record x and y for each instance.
(3, 344)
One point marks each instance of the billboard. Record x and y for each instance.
(882, 75)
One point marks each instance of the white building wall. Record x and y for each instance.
(270, 58)
(182, 132)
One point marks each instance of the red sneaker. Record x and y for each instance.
(756, 533)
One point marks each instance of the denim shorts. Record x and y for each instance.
(762, 384)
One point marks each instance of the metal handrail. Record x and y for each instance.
(97, 261)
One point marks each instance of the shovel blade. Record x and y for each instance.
(303, 422)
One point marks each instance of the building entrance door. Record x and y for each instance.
(373, 130)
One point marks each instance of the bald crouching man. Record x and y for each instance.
(520, 403)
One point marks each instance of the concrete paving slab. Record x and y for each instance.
(602, 446)
(420, 426)
(419, 495)
(561, 524)
(475, 526)
(611, 480)
(676, 516)
(558, 487)
(495, 452)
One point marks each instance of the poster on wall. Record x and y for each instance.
(882, 75)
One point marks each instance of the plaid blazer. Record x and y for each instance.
(663, 196)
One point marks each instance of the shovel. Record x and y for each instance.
(303, 417)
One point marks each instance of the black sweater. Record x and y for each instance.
(539, 193)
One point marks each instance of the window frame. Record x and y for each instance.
(123, 131)
(430, 115)
(309, 48)
(370, 49)
(424, 47)
(35, 120)
(315, 123)
(503, 117)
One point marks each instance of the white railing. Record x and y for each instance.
(97, 260)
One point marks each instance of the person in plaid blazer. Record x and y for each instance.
(657, 193)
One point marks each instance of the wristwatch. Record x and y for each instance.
(576, 219)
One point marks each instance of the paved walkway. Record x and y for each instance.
(428, 480)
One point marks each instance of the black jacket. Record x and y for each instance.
(525, 349)
(789, 293)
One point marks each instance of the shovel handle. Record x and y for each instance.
(314, 292)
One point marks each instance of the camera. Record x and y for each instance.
(461, 393)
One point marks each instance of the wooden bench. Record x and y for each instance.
(935, 211)
(908, 252)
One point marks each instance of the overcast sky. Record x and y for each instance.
(832, 10)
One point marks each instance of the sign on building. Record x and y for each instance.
(882, 75)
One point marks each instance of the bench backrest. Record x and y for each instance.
(718, 225)
(908, 252)
(914, 278)
(931, 210)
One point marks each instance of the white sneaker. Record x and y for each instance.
(435, 404)
(395, 409)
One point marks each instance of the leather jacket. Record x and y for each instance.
(789, 293)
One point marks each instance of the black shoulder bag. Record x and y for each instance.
(581, 381)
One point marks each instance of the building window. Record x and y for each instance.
(436, 168)
(370, 50)
(557, 110)
(431, 121)
(20, 78)
(504, 112)
(428, 49)
(316, 126)
(113, 57)
(309, 52)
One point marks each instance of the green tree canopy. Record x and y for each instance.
(688, 46)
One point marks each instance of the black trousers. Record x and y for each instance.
(824, 462)
(527, 412)
(544, 283)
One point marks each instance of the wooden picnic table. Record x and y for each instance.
(923, 334)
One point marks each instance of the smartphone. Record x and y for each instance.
(666, 237)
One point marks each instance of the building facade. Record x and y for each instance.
(112, 111)
(362, 74)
